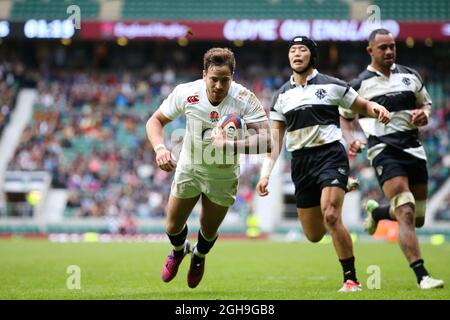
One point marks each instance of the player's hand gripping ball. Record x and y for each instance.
(233, 126)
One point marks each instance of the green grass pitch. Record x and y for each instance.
(235, 269)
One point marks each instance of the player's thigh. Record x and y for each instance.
(211, 216)
(395, 186)
(420, 191)
(178, 211)
(311, 220)
(392, 169)
(332, 198)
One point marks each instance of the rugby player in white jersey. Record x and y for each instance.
(208, 167)
(306, 109)
(395, 152)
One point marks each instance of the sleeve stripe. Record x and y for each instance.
(277, 116)
(348, 88)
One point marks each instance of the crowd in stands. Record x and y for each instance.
(88, 130)
(86, 133)
(8, 81)
(443, 212)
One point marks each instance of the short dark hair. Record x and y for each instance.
(374, 33)
(219, 57)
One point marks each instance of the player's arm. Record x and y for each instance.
(349, 126)
(421, 115)
(258, 141)
(278, 130)
(371, 109)
(347, 129)
(155, 135)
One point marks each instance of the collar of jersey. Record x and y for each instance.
(311, 76)
(372, 69)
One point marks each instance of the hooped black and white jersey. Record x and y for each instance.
(311, 112)
(400, 93)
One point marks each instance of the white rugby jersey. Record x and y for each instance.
(311, 112)
(201, 117)
(400, 93)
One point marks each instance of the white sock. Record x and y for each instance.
(198, 254)
(178, 248)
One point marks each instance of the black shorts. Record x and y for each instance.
(392, 163)
(313, 169)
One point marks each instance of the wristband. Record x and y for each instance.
(159, 147)
(267, 167)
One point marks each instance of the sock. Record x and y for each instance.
(203, 246)
(382, 213)
(348, 267)
(197, 257)
(177, 240)
(419, 269)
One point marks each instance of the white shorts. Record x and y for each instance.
(220, 187)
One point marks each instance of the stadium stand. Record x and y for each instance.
(10, 81)
(414, 10)
(6, 98)
(51, 9)
(235, 9)
(407, 10)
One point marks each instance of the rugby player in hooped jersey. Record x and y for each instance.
(200, 173)
(395, 152)
(306, 108)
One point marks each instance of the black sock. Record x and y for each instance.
(381, 213)
(203, 246)
(196, 259)
(178, 240)
(419, 269)
(348, 267)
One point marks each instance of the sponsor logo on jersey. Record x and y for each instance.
(193, 99)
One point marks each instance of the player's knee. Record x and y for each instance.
(331, 218)
(331, 214)
(402, 199)
(314, 237)
(173, 228)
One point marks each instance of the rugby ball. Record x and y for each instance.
(234, 126)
